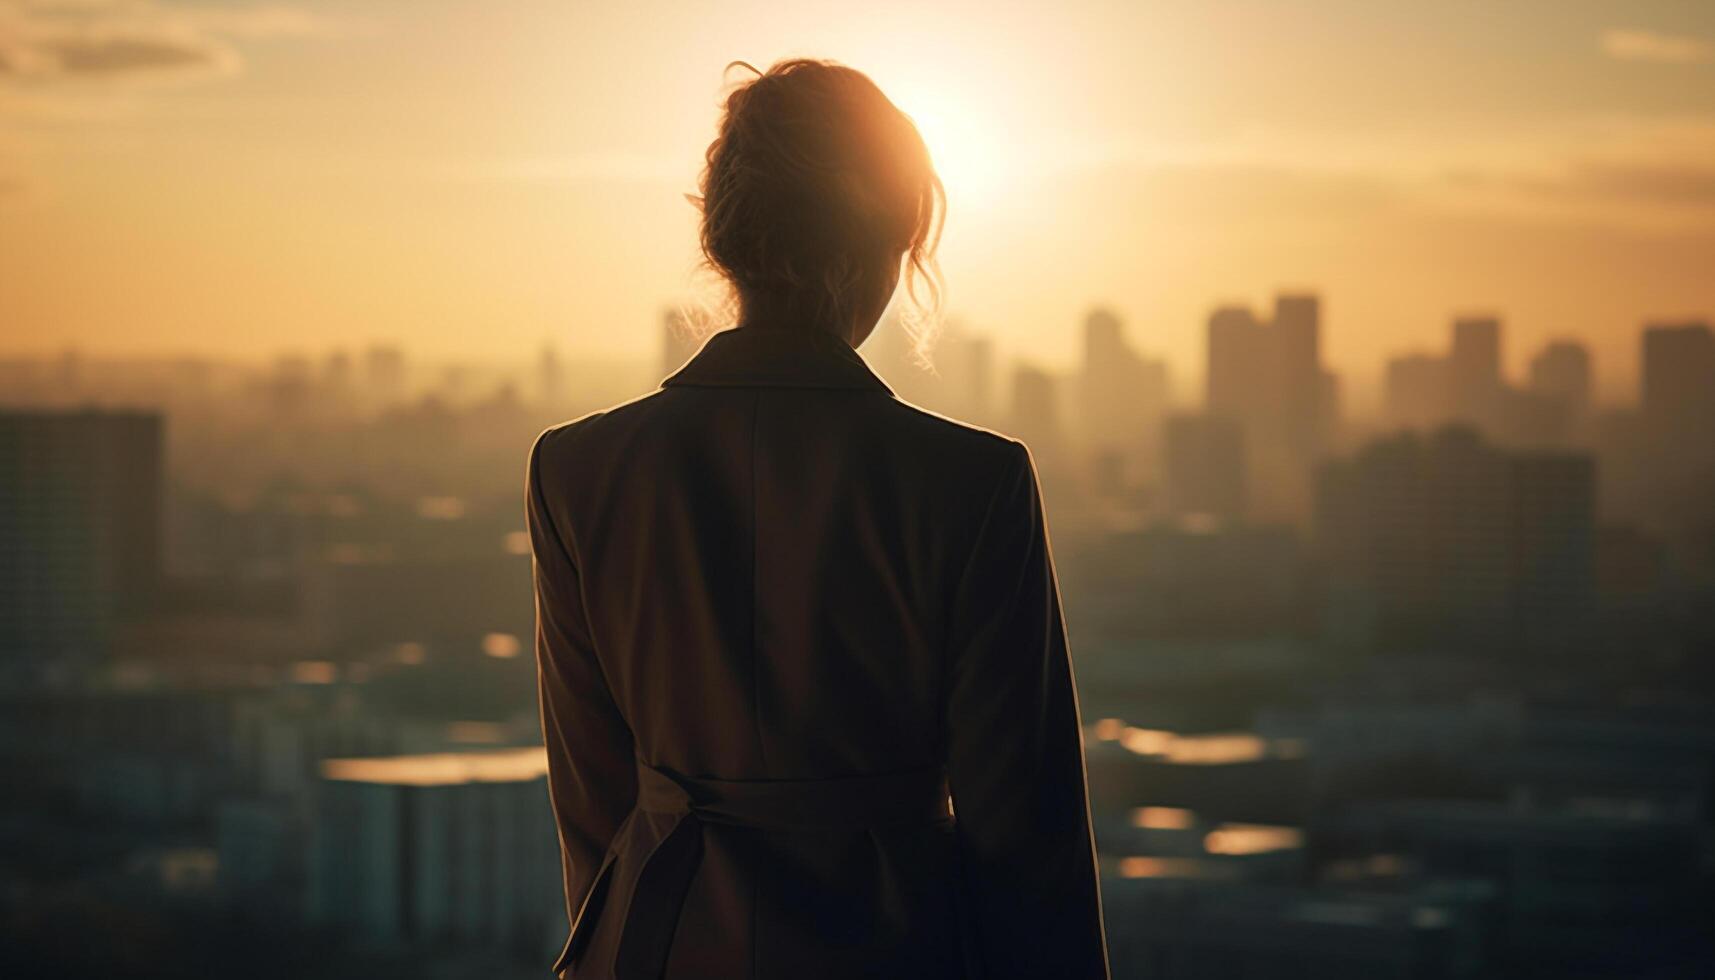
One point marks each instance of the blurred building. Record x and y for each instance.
(453, 849)
(1034, 415)
(1416, 391)
(1236, 375)
(1190, 578)
(1176, 920)
(550, 378)
(1679, 377)
(1562, 371)
(80, 522)
(1449, 542)
(1469, 386)
(1474, 369)
(384, 374)
(1268, 377)
(1583, 890)
(1122, 395)
(1204, 459)
(965, 362)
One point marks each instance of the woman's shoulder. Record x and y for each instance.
(943, 436)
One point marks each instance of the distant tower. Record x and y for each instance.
(1561, 371)
(1122, 395)
(384, 373)
(1454, 545)
(1297, 351)
(456, 848)
(550, 377)
(336, 371)
(80, 529)
(1679, 376)
(964, 374)
(1234, 380)
(1035, 414)
(1474, 368)
(1268, 377)
(1415, 395)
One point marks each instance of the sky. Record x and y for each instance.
(475, 178)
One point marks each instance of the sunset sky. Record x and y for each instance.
(478, 178)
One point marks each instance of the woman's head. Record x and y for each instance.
(817, 189)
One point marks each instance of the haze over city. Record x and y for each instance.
(1364, 354)
(475, 180)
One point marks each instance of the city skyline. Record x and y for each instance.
(1367, 393)
(303, 175)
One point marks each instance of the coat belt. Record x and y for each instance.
(917, 796)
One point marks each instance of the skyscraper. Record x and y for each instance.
(1416, 390)
(1447, 543)
(384, 374)
(1474, 368)
(1236, 376)
(452, 849)
(1122, 395)
(1561, 371)
(80, 529)
(1269, 378)
(550, 377)
(1679, 377)
(1298, 365)
(1035, 409)
(964, 361)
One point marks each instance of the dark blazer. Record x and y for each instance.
(780, 615)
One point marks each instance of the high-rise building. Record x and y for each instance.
(1297, 329)
(453, 849)
(954, 375)
(1679, 377)
(384, 374)
(80, 529)
(1269, 378)
(1236, 376)
(1205, 466)
(1122, 395)
(1416, 390)
(1561, 371)
(1474, 368)
(550, 377)
(1035, 409)
(1449, 543)
(965, 363)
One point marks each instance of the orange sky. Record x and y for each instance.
(473, 179)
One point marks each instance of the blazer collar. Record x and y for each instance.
(777, 357)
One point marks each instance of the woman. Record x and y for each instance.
(783, 616)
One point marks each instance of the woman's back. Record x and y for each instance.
(787, 623)
(786, 617)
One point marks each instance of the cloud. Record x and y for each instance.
(112, 55)
(48, 41)
(1661, 49)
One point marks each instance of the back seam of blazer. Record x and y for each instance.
(755, 654)
(755, 591)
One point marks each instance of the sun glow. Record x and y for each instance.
(962, 142)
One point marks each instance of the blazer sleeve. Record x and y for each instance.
(1015, 752)
(592, 775)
